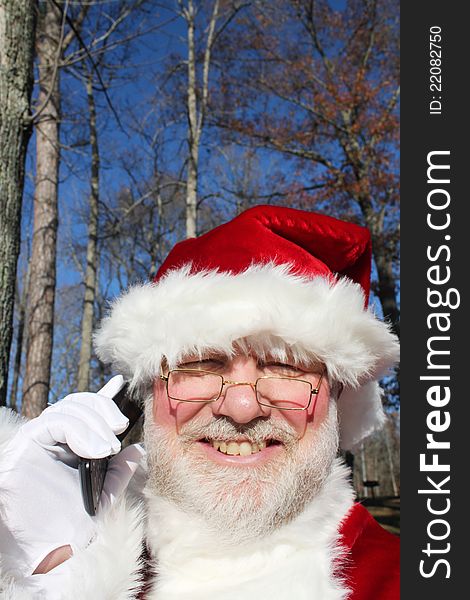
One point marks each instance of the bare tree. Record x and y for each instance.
(94, 37)
(196, 111)
(52, 40)
(91, 279)
(102, 40)
(190, 72)
(42, 280)
(17, 26)
(319, 84)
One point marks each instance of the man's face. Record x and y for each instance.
(244, 467)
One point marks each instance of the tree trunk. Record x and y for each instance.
(387, 292)
(17, 25)
(193, 133)
(391, 466)
(383, 261)
(91, 255)
(196, 116)
(43, 256)
(365, 490)
(21, 317)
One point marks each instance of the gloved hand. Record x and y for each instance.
(41, 506)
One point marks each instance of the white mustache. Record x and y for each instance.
(224, 429)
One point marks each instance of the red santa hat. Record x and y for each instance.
(292, 278)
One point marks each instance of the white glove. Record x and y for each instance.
(41, 506)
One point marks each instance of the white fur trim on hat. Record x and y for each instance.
(188, 312)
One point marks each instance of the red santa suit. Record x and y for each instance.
(373, 555)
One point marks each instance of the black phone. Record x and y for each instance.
(92, 471)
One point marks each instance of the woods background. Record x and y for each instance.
(127, 125)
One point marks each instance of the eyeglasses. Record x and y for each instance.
(283, 393)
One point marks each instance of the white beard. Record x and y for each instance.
(240, 504)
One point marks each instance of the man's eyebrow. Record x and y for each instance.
(313, 364)
(204, 358)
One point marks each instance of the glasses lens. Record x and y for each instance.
(283, 393)
(194, 386)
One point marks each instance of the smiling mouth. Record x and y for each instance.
(240, 448)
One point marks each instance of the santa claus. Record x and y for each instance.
(255, 357)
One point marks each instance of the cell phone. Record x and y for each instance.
(92, 471)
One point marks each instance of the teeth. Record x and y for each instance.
(245, 449)
(233, 448)
(238, 449)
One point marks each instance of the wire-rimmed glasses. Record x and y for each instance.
(199, 386)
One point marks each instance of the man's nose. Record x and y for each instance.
(238, 401)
